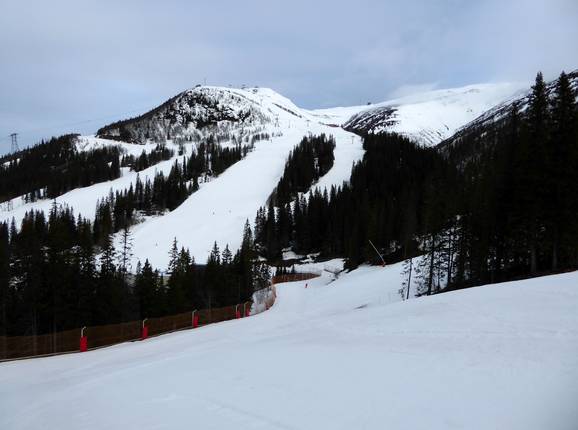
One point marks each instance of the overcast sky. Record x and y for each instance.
(76, 65)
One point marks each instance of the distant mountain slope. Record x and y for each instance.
(427, 118)
(195, 112)
(496, 114)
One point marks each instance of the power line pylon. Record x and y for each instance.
(14, 144)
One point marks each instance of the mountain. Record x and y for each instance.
(427, 118)
(494, 116)
(219, 209)
(274, 125)
(192, 113)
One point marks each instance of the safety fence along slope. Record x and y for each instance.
(92, 337)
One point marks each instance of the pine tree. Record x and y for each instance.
(173, 257)
(107, 257)
(536, 163)
(407, 273)
(226, 256)
(125, 254)
(4, 283)
(563, 156)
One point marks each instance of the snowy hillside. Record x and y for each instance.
(339, 355)
(218, 211)
(83, 200)
(187, 114)
(427, 118)
(501, 110)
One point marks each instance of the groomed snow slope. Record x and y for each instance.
(341, 355)
(219, 209)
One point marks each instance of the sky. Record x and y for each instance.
(73, 66)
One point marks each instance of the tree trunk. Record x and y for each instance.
(431, 267)
(409, 278)
(533, 263)
(555, 251)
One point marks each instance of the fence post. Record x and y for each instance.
(3, 348)
(195, 319)
(247, 312)
(145, 330)
(237, 313)
(83, 340)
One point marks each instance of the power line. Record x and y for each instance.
(47, 128)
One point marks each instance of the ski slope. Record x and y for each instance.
(336, 355)
(83, 200)
(219, 209)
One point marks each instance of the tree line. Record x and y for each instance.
(384, 201)
(64, 271)
(124, 207)
(146, 160)
(53, 277)
(519, 206)
(508, 210)
(308, 161)
(54, 167)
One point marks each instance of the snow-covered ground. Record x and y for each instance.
(341, 355)
(432, 116)
(83, 200)
(218, 211)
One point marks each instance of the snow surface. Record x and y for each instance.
(432, 116)
(336, 355)
(83, 200)
(219, 209)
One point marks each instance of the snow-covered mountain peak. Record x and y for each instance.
(204, 110)
(428, 117)
(219, 209)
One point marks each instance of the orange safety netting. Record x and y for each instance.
(14, 347)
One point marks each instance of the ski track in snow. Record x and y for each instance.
(340, 355)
